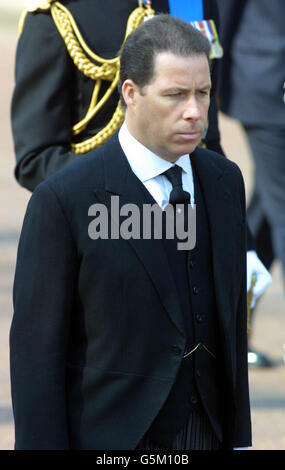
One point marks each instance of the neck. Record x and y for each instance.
(135, 135)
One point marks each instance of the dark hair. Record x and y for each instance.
(162, 33)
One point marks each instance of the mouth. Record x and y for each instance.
(189, 135)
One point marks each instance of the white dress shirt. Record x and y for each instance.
(148, 167)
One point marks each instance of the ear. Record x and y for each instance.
(129, 90)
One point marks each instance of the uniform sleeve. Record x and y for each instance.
(41, 102)
(43, 297)
(212, 139)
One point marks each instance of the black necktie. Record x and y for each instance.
(177, 195)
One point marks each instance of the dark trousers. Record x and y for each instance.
(266, 210)
(196, 434)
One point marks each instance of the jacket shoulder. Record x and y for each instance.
(219, 160)
(37, 9)
(34, 5)
(81, 177)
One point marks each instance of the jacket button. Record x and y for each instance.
(193, 400)
(195, 290)
(191, 263)
(176, 350)
(198, 373)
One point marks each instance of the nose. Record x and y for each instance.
(192, 110)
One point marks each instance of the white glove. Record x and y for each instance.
(263, 277)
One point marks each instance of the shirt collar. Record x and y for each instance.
(144, 163)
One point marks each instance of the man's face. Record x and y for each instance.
(169, 115)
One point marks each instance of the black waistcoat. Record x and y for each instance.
(199, 380)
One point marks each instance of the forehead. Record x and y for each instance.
(169, 67)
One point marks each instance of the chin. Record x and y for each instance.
(174, 151)
(187, 149)
(183, 148)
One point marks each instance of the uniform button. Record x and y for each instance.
(193, 400)
(195, 290)
(176, 350)
(191, 263)
(198, 373)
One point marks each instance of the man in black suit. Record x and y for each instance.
(121, 341)
(131, 343)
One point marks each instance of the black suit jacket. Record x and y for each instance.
(97, 332)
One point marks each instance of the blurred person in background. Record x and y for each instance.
(251, 90)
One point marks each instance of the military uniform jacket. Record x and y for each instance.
(51, 95)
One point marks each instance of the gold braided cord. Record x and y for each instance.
(87, 62)
(102, 136)
(90, 64)
(93, 107)
(78, 49)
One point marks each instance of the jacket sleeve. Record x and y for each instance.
(41, 102)
(43, 296)
(242, 430)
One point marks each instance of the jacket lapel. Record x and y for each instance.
(121, 181)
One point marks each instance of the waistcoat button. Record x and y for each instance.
(193, 400)
(176, 350)
(199, 317)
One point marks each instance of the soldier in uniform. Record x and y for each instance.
(65, 100)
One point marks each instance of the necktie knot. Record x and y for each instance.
(177, 195)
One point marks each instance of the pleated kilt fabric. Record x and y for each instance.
(196, 434)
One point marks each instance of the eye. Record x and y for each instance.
(204, 92)
(176, 96)
(177, 93)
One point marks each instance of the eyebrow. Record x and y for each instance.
(206, 86)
